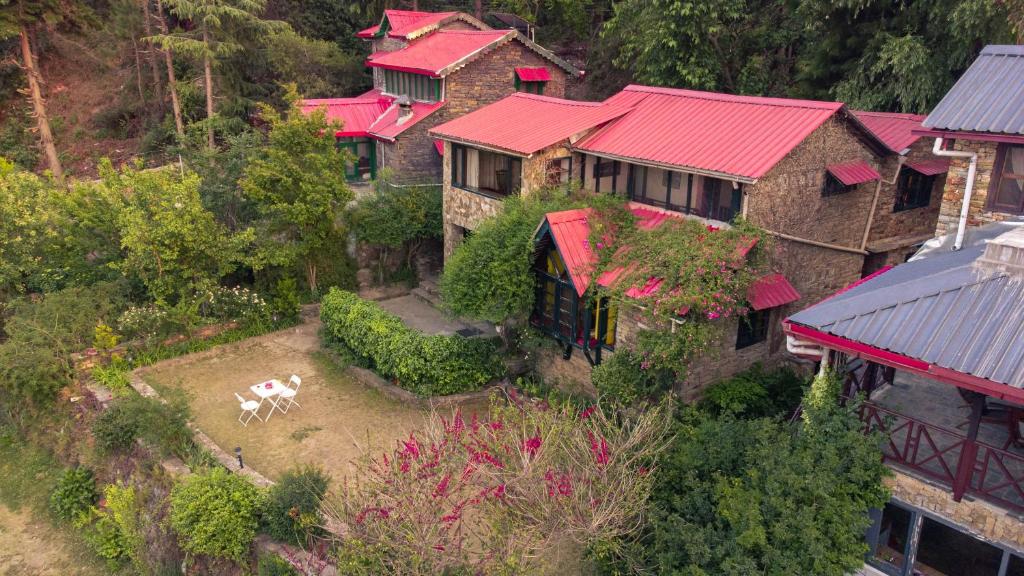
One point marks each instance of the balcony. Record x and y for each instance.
(927, 425)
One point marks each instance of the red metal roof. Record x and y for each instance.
(893, 129)
(533, 74)
(930, 167)
(389, 126)
(739, 136)
(437, 53)
(526, 123)
(570, 231)
(355, 114)
(771, 291)
(852, 173)
(373, 94)
(439, 146)
(402, 23)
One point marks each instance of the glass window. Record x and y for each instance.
(893, 534)
(753, 329)
(720, 199)
(1015, 567)
(913, 190)
(833, 186)
(1007, 189)
(415, 86)
(670, 179)
(946, 551)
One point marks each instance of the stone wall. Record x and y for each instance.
(464, 210)
(412, 156)
(894, 231)
(985, 520)
(956, 186)
(535, 168)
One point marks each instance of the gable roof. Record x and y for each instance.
(732, 137)
(355, 114)
(988, 98)
(445, 51)
(526, 123)
(892, 128)
(390, 125)
(942, 310)
(409, 24)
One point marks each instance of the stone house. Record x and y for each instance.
(980, 122)
(807, 172)
(429, 68)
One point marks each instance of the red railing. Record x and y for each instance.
(948, 457)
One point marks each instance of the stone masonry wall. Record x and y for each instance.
(535, 168)
(956, 186)
(788, 200)
(979, 517)
(896, 230)
(412, 156)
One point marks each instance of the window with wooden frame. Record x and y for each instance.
(753, 329)
(559, 171)
(606, 169)
(913, 190)
(1006, 189)
(833, 186)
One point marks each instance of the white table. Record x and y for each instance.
(271, 394)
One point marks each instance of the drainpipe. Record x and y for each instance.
(874, 202)
(803, 348)
(971, 169)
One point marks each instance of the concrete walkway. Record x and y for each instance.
(420, 315)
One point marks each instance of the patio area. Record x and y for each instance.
(927, 423)
(339, 420)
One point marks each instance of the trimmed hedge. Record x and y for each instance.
(427, 365)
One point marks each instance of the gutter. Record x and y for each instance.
(972, 169)
(874, 202)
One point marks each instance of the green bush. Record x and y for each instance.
(427, 365)
(623, 379)
(285, 304)
(116, 428)
(216, 514)
(103, 534)
(75, 493)
(756, 392)
(292, 512)
(271, 565)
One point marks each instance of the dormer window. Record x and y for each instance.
(532, 80)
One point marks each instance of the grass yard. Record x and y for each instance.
(32, 541)
(339, 419)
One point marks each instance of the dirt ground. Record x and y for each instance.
(29, 546)
(339, 418)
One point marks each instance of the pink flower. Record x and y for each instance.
(442, 486)
(565, 486)
(599, 449)
(532, 445)
(412, 448)
(712, 315)
(499, 491)
(588, 412)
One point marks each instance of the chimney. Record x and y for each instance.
(1005, 253)
(404, 109)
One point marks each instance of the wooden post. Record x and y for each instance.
(969, 452)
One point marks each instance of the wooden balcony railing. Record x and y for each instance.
(948, 457)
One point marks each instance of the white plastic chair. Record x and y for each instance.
(248, 407)
(288, 394)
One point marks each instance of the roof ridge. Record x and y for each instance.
(556, 100)
(907, 115)
(736, 98)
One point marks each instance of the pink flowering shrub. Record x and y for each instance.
(496, 494)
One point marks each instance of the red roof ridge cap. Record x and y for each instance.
(736, 98)
(903, 115)
(557, 100)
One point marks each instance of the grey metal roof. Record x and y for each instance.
(989, 97)
(943, 310)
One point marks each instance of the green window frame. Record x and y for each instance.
(415, 86)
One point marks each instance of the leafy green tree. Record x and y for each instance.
(319, 68)
(489, 276)
(297, 183)
(761, 497)
(26, 227)
(398, 217)
(219, 24)
(171, 242)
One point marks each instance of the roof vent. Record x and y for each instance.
(404, 109)
(1005, 253)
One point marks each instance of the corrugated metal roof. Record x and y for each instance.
(853, 173)
(771, 291)
(389, 126)
(526, 123)
(930, 167)
(739, 136)
(943, 310)
(989, 97)
(402, 23)
(355, 114)
(436, 53)
(533, 74)
(892, 128)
